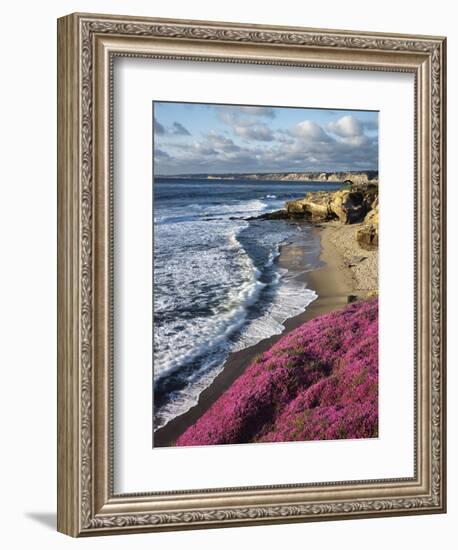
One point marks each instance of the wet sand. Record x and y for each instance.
(334, 284)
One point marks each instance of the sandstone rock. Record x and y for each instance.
(372, 216)
(313, 207)
(349, 205)
(371, 294)
(367, 235)
(374, 203)
(276, 215)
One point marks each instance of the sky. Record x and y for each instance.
(199, 138)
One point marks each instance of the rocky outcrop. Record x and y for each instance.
(275, 215)
(349, 205)
(367, 235)
(313, 207)
(357, 204)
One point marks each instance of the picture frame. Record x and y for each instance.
(87, 46)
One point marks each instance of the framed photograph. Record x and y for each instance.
(251, 290)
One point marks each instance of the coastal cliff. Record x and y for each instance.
(348, 205)
(355, 205)
(320, 380)
(349, 177)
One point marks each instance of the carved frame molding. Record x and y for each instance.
(87, 46)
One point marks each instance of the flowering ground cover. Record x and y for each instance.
(320, 381)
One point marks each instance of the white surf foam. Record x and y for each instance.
(209, 260)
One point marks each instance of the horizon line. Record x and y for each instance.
(266, 173)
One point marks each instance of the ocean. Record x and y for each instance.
(217, 287)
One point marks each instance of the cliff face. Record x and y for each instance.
(367, 235)
(349, 205)
(318, 382)
(356, 204)
(355, 178)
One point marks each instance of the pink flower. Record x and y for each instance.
(318, 382)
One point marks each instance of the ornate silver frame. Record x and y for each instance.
(87, 44)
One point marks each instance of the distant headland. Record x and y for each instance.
(350, 177)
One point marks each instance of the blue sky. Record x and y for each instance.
(210, 138)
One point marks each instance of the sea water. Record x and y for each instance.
(217, 287)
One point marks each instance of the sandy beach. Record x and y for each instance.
(348, 272)
(358, 264)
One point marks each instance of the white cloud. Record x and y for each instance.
(221, 142)
(245, 123)
(346, 127)
(340, 145)
(258, 132)
(309, 131)
(202, 149)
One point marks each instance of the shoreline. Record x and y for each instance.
(334, 283)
